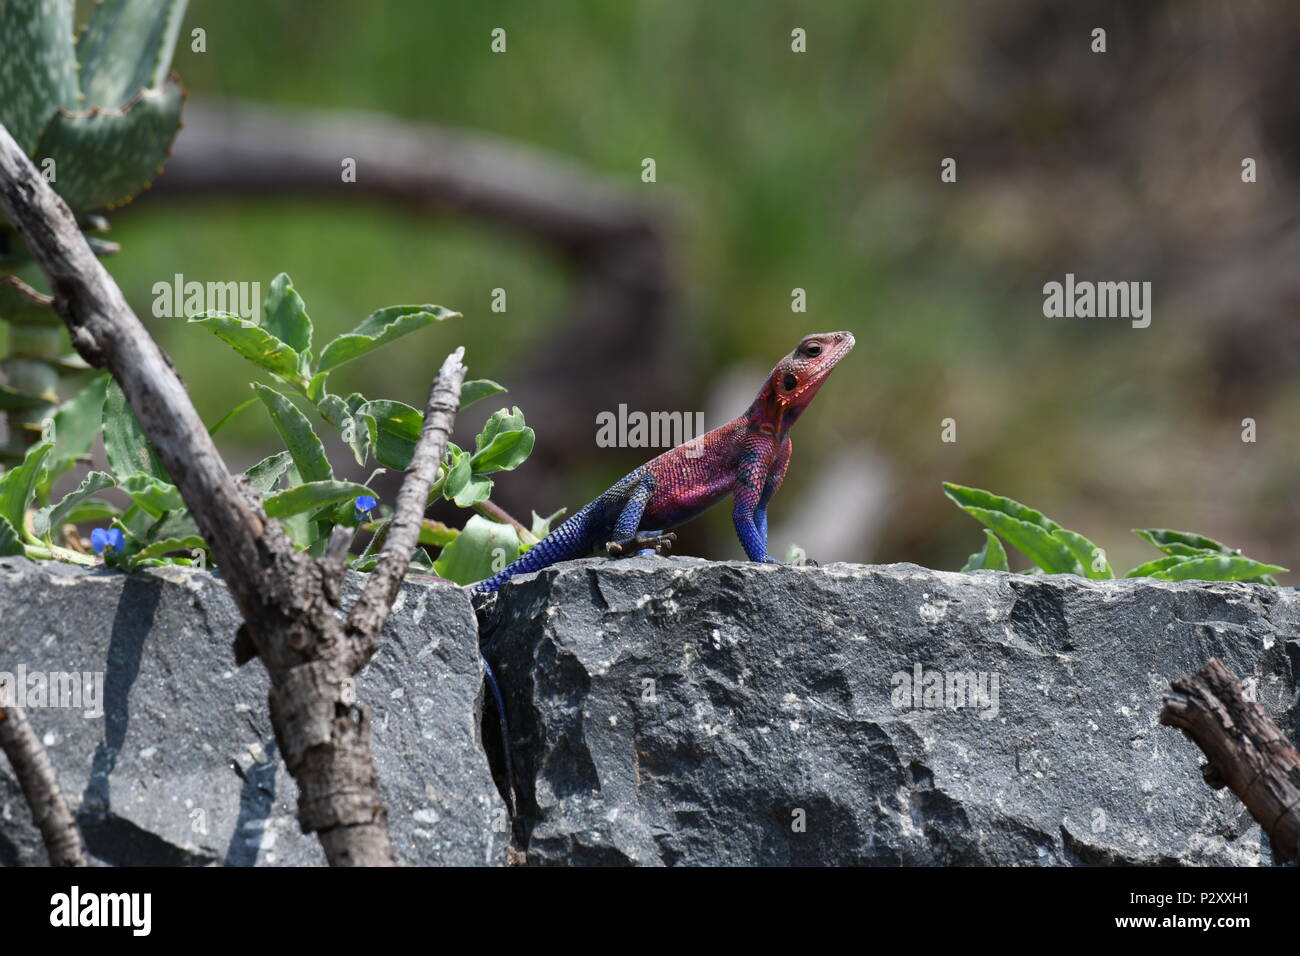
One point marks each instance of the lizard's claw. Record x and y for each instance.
(659, 543)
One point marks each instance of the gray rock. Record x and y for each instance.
(672, 711)
(182, 769)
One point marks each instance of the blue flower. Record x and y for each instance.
(365, 505)
(111, 539)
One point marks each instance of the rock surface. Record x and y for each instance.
(182, 769)
(673, 711)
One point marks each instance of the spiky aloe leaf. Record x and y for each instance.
(1217, 567)
(991, 557)
(102, 158)
(38, 69)
(1091, 557)
(1150, 568)
(127, 46)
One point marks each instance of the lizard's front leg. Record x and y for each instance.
(625, 539)
(752, 493)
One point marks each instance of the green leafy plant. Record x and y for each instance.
(1057, 550)
(97, 114)
(298, 486)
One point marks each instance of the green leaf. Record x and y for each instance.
(312, 496)
(477, 488)
(479, 388)
(502, 420)
(285, 316)
(40, 66)
(55, 516)
(103, 158)
(991, 557)
(18, 484)
(154, 496)
(393, 429)
(1091, 557)
(91, 510)
(458, 475)
(316, 387)
(300, 528)
(268, 471)
(1151, 567)
(1182, 542)
(966, 498)
(77, 423)
(129, 452)
(379, 328)
(307, 451)
(126, 46)
(483, 548)
(503, 444)
(14, 401)
(437, 534)
(10, 543)
(156, 549)
(230, 415)
(254, 343)
(1219, 567)
(1036, 543)
(542, 526)
(507, 451)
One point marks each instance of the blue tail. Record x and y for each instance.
(504, 731)
(572, 539)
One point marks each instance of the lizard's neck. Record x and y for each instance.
(768, 414)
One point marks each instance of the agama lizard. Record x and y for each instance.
(747, 457)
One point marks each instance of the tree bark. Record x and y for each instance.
(40, 787)
(288, 600)
(1246, 751)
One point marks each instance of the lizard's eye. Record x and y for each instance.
(789, 382)
(813, 349)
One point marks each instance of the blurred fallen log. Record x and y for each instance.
(1246, 751)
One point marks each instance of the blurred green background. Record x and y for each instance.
(819, 170)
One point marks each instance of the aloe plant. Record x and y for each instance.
(1056, 550)
(97, 113)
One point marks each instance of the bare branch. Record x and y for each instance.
(1246, 751)
(106, 333)
(403, 534)
(40, 786)
(289, 601)
(494, 512)
(245, 147)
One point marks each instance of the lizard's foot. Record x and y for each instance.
(656, 543)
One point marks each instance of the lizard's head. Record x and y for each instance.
(799, 375)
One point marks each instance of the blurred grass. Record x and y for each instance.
(786, 170)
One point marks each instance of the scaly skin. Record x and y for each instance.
(746, 458)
